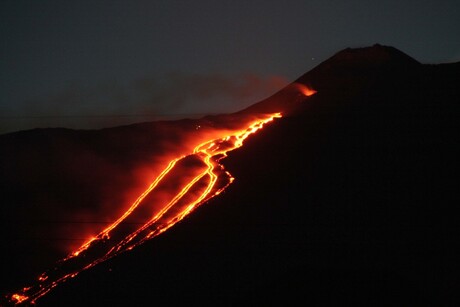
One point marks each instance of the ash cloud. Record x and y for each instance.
(108, 104)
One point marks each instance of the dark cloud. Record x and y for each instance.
(150, 98)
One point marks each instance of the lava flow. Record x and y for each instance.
(185, 183)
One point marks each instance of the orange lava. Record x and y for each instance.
(185, 183)
(206, 179)
(18, 299)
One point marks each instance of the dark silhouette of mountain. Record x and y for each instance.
(351, 197)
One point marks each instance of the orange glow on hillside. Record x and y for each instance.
(305, 90)
(185, 183)
(183, 176)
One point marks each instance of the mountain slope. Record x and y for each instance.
(351, 197)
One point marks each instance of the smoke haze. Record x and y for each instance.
(150, 98)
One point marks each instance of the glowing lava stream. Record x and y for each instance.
(207, 180)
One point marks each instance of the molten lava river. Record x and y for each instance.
(182, 183)
(186, 182)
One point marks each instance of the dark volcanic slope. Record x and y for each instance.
(351, 198)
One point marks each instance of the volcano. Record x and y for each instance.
(350, 197)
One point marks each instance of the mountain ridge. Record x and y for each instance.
(334, 202)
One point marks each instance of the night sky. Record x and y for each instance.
(92, 64)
